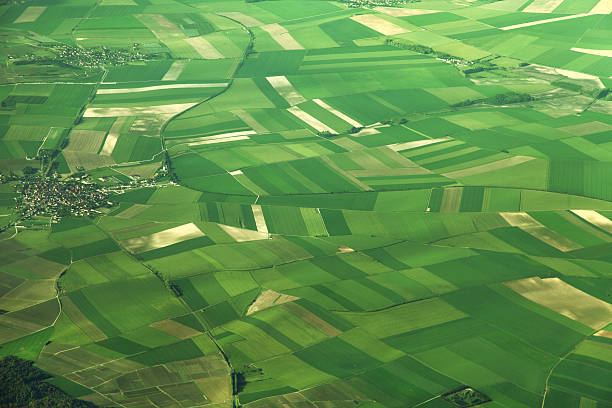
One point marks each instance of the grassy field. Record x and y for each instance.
(312, 203)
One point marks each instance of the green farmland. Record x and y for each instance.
(306, 203)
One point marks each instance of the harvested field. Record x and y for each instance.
(379, 24)
(222, 138)
(109, 91)
(242, 235)
(602, 7)
(113, 135)
(137, 111)
(260, 221)
(30, 14)
(204, 48)
(403, 12)
(545, 21)
(175, 70)
(282, 36)
(526, 223)
(310, 120)
(565, 299)
(417, 143)
(336, 112)
(269, 298)
(162, 239)
(286, 90)
(602, 53)
(596, 219)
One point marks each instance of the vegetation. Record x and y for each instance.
(466, 397)
(499, 99)
(23, 385)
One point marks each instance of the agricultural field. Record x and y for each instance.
(308, 203)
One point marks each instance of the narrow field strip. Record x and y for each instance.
(403, 12)
(546, 21)
(175, 70)
(399, 147)
(137, 111)
(601, 53)
(282, 36)
(555, 294)
(310, 120)
(381, 25)
(336, 112)
(109, 91)
(221, 138)
(285, 89)
(497, 165)
(260, 221)
(112, 137)
(531, 226)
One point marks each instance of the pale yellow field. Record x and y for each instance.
(107, 91)
(172, 109)
(30, 14)
(162, 239)
(379, 24)
(603, 53)
(224, 137)
(113, 136)
(269, 298)
(531, 226)
(282, 36)
(542, 6)
(595, 218)
(337, 113)
(545, 21)
(603, 7)
(403, 12)
(175, 70)
(260, 221)
(204, 48)
(565, 299)
(310, 120)
(399, 147)
(242, 235)
(285, 89)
